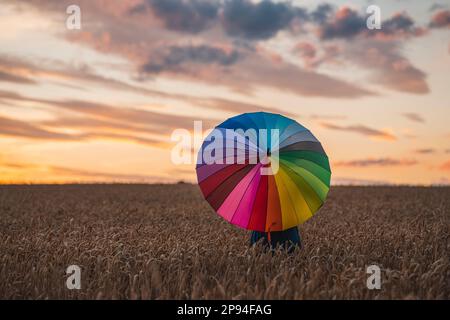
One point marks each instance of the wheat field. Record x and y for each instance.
(165, 242)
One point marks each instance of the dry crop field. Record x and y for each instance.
(164, 242)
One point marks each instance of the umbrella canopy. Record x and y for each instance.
(233, 172)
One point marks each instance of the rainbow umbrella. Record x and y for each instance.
(263, 172)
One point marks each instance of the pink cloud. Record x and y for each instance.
(445, 166)
(440, 19)
(362, 130)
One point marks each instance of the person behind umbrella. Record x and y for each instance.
(288, 239)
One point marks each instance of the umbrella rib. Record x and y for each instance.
(295, 141)
(251, 181)
(272, 182)
(243, 168)
(220, 170)
(287, 154)
(289, 196)
(267, 204)
(300, 191)
(294, 171)
(306, 181)
(252, 214)
(301, 128)
(238, 121)
(305, 146)
(225, 157)
(286, 160)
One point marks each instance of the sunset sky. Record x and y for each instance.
(99, 104)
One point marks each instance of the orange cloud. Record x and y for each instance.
(20, 129)
(382, 162)
(53, 173)
(445, 166)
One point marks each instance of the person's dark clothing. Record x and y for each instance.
(288, 239)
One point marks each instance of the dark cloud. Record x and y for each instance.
(9, 77)
(144, 43)
(400, 25)
(402, 76)
(185, 16)
(288, 77)
(254, 69)
(384, 162)
(361, 129)
(175, 57)
(89, 123)
(322, 13)
(96, 121)
(398, 22)
(239, 18)
(18, 128)
(213, 58)
(390, 68)
(9, 95)
(106, 117)
(103, 116)
(21, 129)
(82, 75)
(153, 121)
(425, 151)
(438, 6)
(138, 9)
(414, 117)
(262, 20)
(345, 23)
(85, 78)
(440, 19)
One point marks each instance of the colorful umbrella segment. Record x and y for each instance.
(241, 193)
